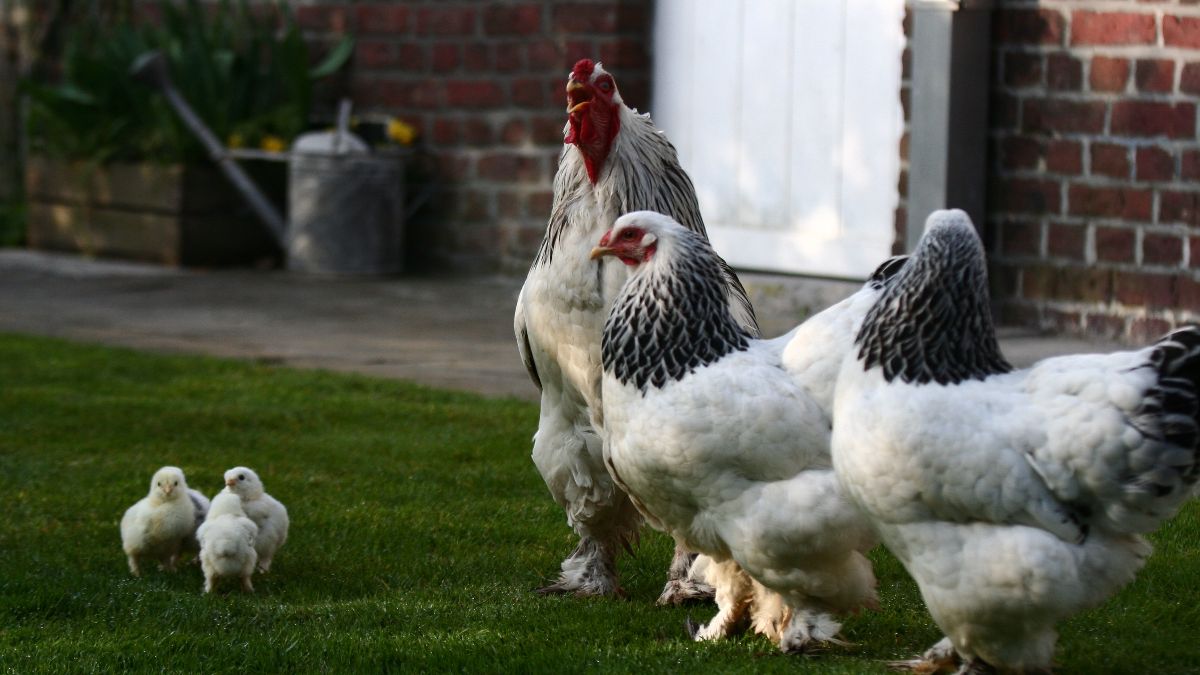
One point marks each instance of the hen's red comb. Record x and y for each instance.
(582, 72)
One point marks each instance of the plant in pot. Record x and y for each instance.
(112, 171)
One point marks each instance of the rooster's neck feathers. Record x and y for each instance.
(641, 173)
(672, 317)
(933, 323)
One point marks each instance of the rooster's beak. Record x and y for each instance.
(574, 86)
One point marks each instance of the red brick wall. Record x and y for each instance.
(1093, 221)
(484, 83)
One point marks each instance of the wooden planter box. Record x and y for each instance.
(167, 214)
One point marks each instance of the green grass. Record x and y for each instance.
(419, 529)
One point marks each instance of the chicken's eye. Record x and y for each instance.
(628, 234)
(605, 85)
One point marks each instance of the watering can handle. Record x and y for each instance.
(151, 69)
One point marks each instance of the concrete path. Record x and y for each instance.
(446, 332)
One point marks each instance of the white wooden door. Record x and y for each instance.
(786, 114)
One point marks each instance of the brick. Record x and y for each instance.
(444, 57)
(1139, 289)
(1144, 329)
(625, 53)
(442, 20)
(1179, 207)
(1155, 164)
(1189, 292)
(474, 93)
(1064, 73)
(1189, 165)
(508, 167)
(1027, 26)
(1110, 160)
(529, 92)
(1077, 284)
(1194, 252)
(1020, 152)
(1151, 118)
(426, 94)
(1109, 202)
(477, 132)
(370, 53)
(445, 131)
(1181, 31)
(477, 57)
(585, 18)
(1021, 195)
(1162, 249)
(1020, 238)
(506, 57)
(1062, 116)
(902, 183)
(539, 203)
(525, 19)
(1107, 326)
(514, 132)
(1189, 78)
(1115, 244)
(541, 55)
(1066, 241)
(1022, 69)
(321, 18)
(1064, 157)
(904, 143)
(548, 129)
(385, 18)
(508, 204)
(1108, 74)
(1155, 75)
(1111, 28)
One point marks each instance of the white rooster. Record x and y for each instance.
(1014, 498)
(719, 443)
(613, 161)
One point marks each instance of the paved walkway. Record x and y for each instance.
(446, 332)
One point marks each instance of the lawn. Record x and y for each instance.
(419, 529)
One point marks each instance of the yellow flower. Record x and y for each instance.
(236, 141)
(273, 144)
(399, 131)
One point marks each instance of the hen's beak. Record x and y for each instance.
(600, 252)
(577, 96)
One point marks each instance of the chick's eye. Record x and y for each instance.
(241, 476)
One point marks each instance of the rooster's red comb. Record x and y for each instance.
(582, 72)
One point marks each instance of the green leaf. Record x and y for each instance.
(334, 60)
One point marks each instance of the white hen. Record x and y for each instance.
(1014, 498)
(613, 161)
(268, 513)
(160, 525)
(719, 445)
(227, 543)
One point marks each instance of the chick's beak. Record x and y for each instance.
(231, 482)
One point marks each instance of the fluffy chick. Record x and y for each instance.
(159, 526)
(227, 543)
(201, 504)
(267, 513)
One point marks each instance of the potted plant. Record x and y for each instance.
(112, 171)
